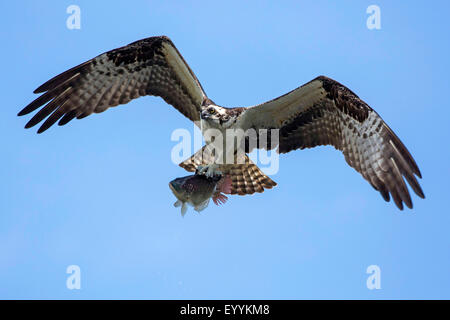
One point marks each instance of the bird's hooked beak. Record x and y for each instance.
(204, 114)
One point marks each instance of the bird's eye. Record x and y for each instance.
(211, 111)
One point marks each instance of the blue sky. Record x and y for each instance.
(95, 192)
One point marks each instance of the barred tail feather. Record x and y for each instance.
(248, 178)
(245, 178)
(200, 158)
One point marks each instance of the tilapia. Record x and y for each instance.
(197, 189)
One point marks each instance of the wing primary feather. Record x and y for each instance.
(46, 97)
(55, 116)
(43, 99)
(49, 108)
(69, 116)
(401, 186)
(403, 151)
(407, 173)
(61, 78)
(397, 199)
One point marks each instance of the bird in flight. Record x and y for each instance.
(320, 112)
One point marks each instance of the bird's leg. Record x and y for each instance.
(209, 170)
(199, 169)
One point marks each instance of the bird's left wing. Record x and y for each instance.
(151, 66)
(324, 112)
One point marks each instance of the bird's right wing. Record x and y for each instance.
(152, 66)
(325, 112)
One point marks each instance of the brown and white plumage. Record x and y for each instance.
(321, 112)
(324, 112)
(151, 66)
(246, 178)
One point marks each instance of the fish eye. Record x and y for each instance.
(211, 110)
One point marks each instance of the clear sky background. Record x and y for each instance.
(95, 192)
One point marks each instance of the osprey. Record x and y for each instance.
(320, 112)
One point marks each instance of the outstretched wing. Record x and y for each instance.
(151, 66)
(324, 112)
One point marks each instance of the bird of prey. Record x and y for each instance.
(320, 112)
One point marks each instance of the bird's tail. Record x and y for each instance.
(246, 178)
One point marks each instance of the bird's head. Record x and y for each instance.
(218, 117)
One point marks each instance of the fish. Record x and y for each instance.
(197, 190)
